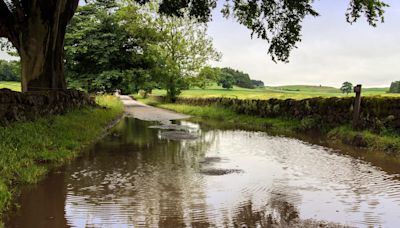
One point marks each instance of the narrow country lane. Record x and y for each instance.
(148, 113)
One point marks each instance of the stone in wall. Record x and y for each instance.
(16, 106)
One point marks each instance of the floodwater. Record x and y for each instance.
(224, 178)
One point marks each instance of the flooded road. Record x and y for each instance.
(137, 177)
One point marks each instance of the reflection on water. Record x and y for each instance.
(134, 178)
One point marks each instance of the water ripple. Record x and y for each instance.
(140, 180)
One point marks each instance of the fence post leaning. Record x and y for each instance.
(357, 107)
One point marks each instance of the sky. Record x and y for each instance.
(331, 50)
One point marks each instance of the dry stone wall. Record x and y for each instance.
(377, 113)
(16, 106)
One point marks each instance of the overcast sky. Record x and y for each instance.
(331, 51)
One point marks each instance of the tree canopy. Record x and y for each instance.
(102, 51)
(257, 83)
(279, 22)
(395, 87)
(347, 87)
(207, 76)
(235, 77)
(185, 49)
(112, 46)
(9, 70)
(226, 81)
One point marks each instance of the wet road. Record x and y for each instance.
(145, 112)
(221, 178)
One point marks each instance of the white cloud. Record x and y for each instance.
(4, 55)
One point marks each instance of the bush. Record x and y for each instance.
(395, 87)
(10, 71)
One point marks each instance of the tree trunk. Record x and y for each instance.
(41, 48)
(37, 30)
(42, 65)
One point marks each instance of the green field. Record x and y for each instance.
(16, 86)
(281, 92)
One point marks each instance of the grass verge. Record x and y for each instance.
(226, 118)
(387, 142)
(28, 150)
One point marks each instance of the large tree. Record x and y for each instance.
(36, 28)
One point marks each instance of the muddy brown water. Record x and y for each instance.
(223, 178)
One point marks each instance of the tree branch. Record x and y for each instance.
(4, 15)
(7, 24)
(3, 30)
(19, 11)
(71, 7)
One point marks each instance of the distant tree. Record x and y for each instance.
(226, 81)
(347, 87)
(395, 87)
(184, 50)
(241, 79)
(10, 70)
(257, 83)
(206, 77)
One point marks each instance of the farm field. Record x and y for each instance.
(281, 92)
(16, 86)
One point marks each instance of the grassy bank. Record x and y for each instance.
(226, 118)
(386, 141)
(29, 149)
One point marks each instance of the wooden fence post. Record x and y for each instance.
(357, 107)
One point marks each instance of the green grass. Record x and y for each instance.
(29, 149)
(307, 88)
(225, 118)
(16, 86)
(280, 92)
(385, 141)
